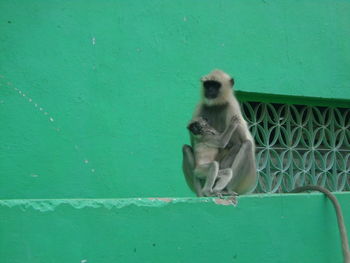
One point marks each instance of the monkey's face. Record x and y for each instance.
(216, 87)
(211, 89)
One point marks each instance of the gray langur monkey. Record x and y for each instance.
(218, 105)
(206, 144)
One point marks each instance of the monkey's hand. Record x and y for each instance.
(223, 139)
(234, 119)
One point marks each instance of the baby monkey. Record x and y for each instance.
(206, 143)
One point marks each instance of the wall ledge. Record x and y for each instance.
(46, 205)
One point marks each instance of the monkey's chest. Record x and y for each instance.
(217, 122)
(216, 116)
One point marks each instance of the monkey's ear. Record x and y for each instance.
(232, 81)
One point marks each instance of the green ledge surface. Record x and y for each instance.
(260, 228)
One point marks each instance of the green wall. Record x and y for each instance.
(117, 82)
(274, 229)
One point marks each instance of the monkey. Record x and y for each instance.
(206, 144)
(218, 105)
(338, 211)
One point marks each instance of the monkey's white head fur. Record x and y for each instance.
(225, 91)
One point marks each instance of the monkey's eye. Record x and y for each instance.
(212, 84)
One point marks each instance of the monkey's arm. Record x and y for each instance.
(241, 159)
(221, 140)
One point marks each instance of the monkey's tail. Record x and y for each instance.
(340, 218)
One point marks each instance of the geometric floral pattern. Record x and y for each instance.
(299, 145)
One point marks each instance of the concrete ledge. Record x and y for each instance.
(45, 205)
(261, 228)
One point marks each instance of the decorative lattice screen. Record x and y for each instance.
(299, 145)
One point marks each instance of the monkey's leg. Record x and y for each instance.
(223, 178)
(188, 165)
(243, 168)
(227, 160)
(209, 172)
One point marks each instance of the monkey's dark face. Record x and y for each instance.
(195, 128)
(216, 88)
(211, 89)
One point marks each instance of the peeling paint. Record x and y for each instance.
(47, 205)
(226, 201)
(167, 200)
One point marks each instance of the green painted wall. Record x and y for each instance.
(83, 114)
(117, 82)
(274, 229)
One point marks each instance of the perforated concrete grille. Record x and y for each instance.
(299, 145)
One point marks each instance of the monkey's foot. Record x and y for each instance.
(222, 194)
(207, 192)
(232, 193)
